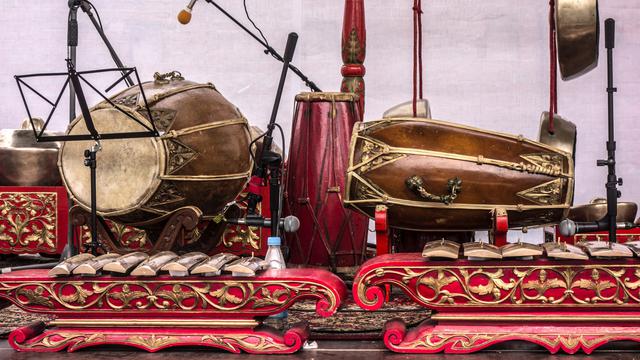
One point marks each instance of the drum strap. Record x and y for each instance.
(553, 64)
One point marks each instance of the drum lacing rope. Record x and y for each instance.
(553, 64)
(417, 53)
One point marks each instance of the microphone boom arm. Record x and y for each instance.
(268, 49)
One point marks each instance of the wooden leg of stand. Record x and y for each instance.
(181, 222)
(382, 238)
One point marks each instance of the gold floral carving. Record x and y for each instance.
(544, 164)
(598, 285)
(28, 218)
(58, 340)
(179, 155)
(170, 295)
(245, 236)
(127, 236)
(236, 342)
(376, 155)
(478, 341)
(153, 342)
(352, 48)
(128, 100)
(549, 193)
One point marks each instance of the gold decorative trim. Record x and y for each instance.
(327, 96)
(179, 155)
(157, 97)
(155, 323)
(519, 286)
(204, 127)
(545, 194)
(535, 318)
(236, 342)
(193, 296)
(243, 175)
(153, 341)
(537, 163)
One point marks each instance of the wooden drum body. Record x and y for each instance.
(201, 158)
(434, 175)
(329, 234)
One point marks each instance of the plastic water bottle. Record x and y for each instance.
(274, 253)
(276, 261)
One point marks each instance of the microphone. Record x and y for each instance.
(289, 223)
(569, 227)
(609, 33)
(184, 16)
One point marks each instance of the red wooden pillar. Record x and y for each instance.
(353, 50)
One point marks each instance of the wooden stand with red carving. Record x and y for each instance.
(160, 312)
(560, 305)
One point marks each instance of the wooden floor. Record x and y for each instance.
(365, 350)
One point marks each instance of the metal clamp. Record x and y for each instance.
(416, 184)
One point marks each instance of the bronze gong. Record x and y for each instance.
(577, 32)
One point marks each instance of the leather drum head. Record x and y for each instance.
(128, 170)
(577, 30)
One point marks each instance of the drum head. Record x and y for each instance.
(128, 171)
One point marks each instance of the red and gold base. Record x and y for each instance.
(451, 337)
(159, 312)
(568, 305)
(154, 337)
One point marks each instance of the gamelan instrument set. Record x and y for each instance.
(168, 209)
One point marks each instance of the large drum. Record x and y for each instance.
(200, 159)
(329, 235)
(434, 175)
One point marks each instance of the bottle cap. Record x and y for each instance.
(273, 241)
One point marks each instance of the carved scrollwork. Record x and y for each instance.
(508, 285)
(28, 220)
(549, 193)
(220, 296)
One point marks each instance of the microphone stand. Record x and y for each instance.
(269, 163)
(86, 8)
(612, 180)
(72, 45)
(268, 49)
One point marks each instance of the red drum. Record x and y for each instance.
(329, 235)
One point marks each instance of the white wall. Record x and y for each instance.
(486, 62)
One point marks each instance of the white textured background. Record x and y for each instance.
(486, 62)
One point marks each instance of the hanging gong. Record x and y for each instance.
(577, 32)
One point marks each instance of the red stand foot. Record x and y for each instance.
(261, 340)
(430, 337)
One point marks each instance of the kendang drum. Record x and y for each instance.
(435, 175)
(201, 158)
(329, 235)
